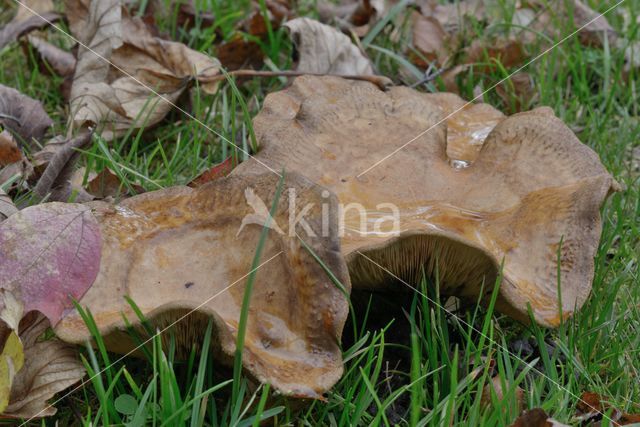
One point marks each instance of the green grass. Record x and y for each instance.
(414, 365)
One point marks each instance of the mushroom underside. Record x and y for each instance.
(522, 197)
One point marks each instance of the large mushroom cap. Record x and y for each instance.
(180, 249)
(530, 194)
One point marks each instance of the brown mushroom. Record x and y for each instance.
(530, 196)
(183, 249)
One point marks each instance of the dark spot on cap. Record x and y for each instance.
(188, 285)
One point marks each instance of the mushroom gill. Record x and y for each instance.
(527, 195)
(182, 250)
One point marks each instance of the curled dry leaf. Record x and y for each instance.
(28, 8)
(180, 249)
(429, 40)
(9, 149)
(111, 80)
(239, 53)
(324, 50)
(103, 185)
(188, 15)
(536, 417)
(591, 406)
(108, 184)
(277, 12)
(11, 362)
(218, 171)
(55, 181)
(24, 117)
(495, 389)
(517, 92)
(7, 208)
(50, 254)
(50, 366)
(60, 61)
(355, 15)
(509, 52)
(591, 33)
(530, 196)
(15, 29)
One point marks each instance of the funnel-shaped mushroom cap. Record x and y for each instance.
(180, 249)
(529, 193)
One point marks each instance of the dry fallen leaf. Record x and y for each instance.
(11, 361)
(188, 15)
(218, 171)
(324, 50)
(530, 196)
(50, 366)
(60, 61)
(352, 15)
(15, 29)
(55, 182)
(536, 417)
(28, 8)
(277, 12)
(179, 249)
(103, 185)
(103, 94)
(240, 53)
(7, 208)
(590, 409)
(428, 39)
(9, 149)
(50, 253)
(509, 52)
(517, 92)
(24, 117)
(494, 389)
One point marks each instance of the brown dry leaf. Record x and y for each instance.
(352, 15)
(55, 182)
(494, 390)
(107, 184)
(631, 56)
(429, 39)
(536, 417)
(324, 50)
(42, 157)
(518, 92)
(9, 150)
(239, 53)
(549, 15)
(591, 406)
(509, 52)
(277, 12)
(594, 33)
(7, 208)
(218, 171)
(38, 6)
(105, 95)
(17, 28)
(21, 170)
(24, 117)
(531, 186)
(451, 15)
(179, 249)
(188, 15)
(63, 63)
(50, 366)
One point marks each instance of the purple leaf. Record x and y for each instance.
(49, 254)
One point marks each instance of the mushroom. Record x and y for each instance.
(521, 194)
(179, 250)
